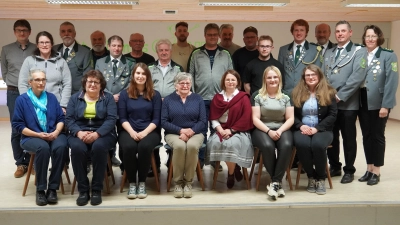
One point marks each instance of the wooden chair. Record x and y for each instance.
(300, 166)
(260, 166)
(245, 175)
(170, 170)
(28, 175)
(153, 167)
(105, 177)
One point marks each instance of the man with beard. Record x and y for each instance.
(117, 70)
(12, 57)
(181, 49)
(136, 41)
(296, 55)
(253, 73)
(322, 34)
(99, 49)
(77, 56)
(207, 64)
(226, 35)
(244, 55)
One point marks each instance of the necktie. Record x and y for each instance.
(297, 56)
(115, 61)
(338, 53)
(66, 52)
(322, 50)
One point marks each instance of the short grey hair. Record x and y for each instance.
(182, 76)
(343, 22)
(226, 26)
(163, 41)
(35, 70)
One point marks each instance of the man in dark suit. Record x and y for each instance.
(322, 34)
(345, 69)
(77, 56)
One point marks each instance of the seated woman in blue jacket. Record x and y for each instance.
(91, 117)
(39, 118)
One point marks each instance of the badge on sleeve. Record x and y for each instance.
(394, 66)
(363, 63)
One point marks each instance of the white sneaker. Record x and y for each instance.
(178, 191)
(281, 192)
(187, 191)
(132, 192)
(273, 190)
(141, 191)
(311, 185)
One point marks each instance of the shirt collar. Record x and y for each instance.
(159, 64)
(295, 44)
(69, 47)
(233, 95)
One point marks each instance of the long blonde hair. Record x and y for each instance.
(323, 91)
(263, 91)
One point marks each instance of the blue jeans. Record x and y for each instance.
(45, 150)
(20, 157)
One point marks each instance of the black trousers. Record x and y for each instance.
(97, 151)
(373, 131)
(137, 154)
(346, 124)
(311, 151)
(276, 165)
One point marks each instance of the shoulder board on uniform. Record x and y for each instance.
(314, 43)
(86, 46)
(130, 59)
(358, 44)
(387, 50)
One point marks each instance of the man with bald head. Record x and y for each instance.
(99, 49)
(322, 34)
(136, 41)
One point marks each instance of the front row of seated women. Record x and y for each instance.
(92, 113)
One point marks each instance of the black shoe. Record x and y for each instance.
(115, 161)
(347, 178)
(366, 177)
(83, 198)
(231, 181)
(238, 174)
(51, 196)
(374, 179)
(96, 198)
(41, 198)
(335, 173)
(151, 174)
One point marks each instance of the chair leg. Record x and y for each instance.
(123, 181)
(66, 174)
(28, 174)
(62, 186)
(256, 152)
(299, 167)
(200, 175)
(328, 174)
(260, 166)
(154, 168)
(288, 176)
(215, 174)
(170, 175)
(107, 182)
(73, 186)
(110, 168)
(246, 177)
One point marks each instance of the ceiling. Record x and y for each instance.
(189, 10)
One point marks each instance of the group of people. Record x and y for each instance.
(87, 101)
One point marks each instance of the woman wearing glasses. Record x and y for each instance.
(56, 69)
(378, 97)
(315, 112)
(183, 117)
(91, 117)
(40, 120)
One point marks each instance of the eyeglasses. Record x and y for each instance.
(184, 83)
(44, 43)
(21, 31)
(265, 46)
(92, 82)
(40, 80)
(371, 37)
(310, 75)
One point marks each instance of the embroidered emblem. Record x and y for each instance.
(394, 66)
(363, 63)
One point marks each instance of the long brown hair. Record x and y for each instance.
(148, 92)
(323, 91)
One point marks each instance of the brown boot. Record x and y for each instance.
(21, 170)
(231, 181)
